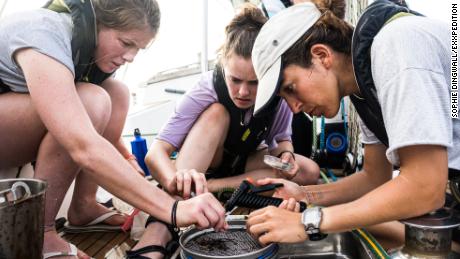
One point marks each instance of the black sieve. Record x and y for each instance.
(235, 243)
(228, 243)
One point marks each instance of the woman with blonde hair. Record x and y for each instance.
(61, 107)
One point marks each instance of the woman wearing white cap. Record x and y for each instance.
(396, 70)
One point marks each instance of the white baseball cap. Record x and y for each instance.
(277, 35)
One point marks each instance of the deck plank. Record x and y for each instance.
(119, 239)
(100, 243)
(80, 238)
(89, 241)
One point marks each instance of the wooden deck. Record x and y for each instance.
(102, 244)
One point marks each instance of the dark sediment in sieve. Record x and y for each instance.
(229, 243)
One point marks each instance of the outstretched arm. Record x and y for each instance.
(376, 171)
(55, 99)
(417, 190)
(120, 146)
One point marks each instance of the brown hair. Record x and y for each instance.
(127, 14)
(330, 30)
(241, 32)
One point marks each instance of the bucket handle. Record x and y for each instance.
(14, 194)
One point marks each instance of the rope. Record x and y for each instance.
(315, 137)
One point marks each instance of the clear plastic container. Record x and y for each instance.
(275, 162)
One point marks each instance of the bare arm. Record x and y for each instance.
(160, 165)
(120, 146)
(376, 171)
(419, 189)
(55, 98)
(347, 189)
(58, 104)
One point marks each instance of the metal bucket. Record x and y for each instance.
(22, 210)
(193, 234)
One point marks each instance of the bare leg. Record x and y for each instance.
(27, 139)
(212, 125)
(155, 234)
(84, 207)
(309, 171)
(21, 130)
(203, 147)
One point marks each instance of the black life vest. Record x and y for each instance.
(241, 139)
(373, 19)
(84, 38)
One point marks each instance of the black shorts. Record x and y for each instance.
(4, 88)
(231, 165)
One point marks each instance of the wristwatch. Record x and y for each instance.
(311, 218)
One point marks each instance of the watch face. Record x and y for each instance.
(311, 219)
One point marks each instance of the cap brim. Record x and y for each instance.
(267, 98)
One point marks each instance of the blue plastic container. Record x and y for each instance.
(139, 149)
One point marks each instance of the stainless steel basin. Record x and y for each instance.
(341, 245)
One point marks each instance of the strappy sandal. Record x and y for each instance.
(167, 251)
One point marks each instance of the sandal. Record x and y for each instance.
(73, 252)
(167, 251)
(97, 225)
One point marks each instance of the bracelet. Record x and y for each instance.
(130, 157)
(173, 214)
(286, 151)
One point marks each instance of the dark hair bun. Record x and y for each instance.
(249, 17)
(337, 7)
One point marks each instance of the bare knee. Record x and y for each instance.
(217, 114)
(97, 104)
(218, 121)
(309, 171)
(119, 95)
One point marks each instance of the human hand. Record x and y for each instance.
(187, 180)
(288, 157)
(272, 224)
(289, 189)
(291, 204)
(204, 210)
